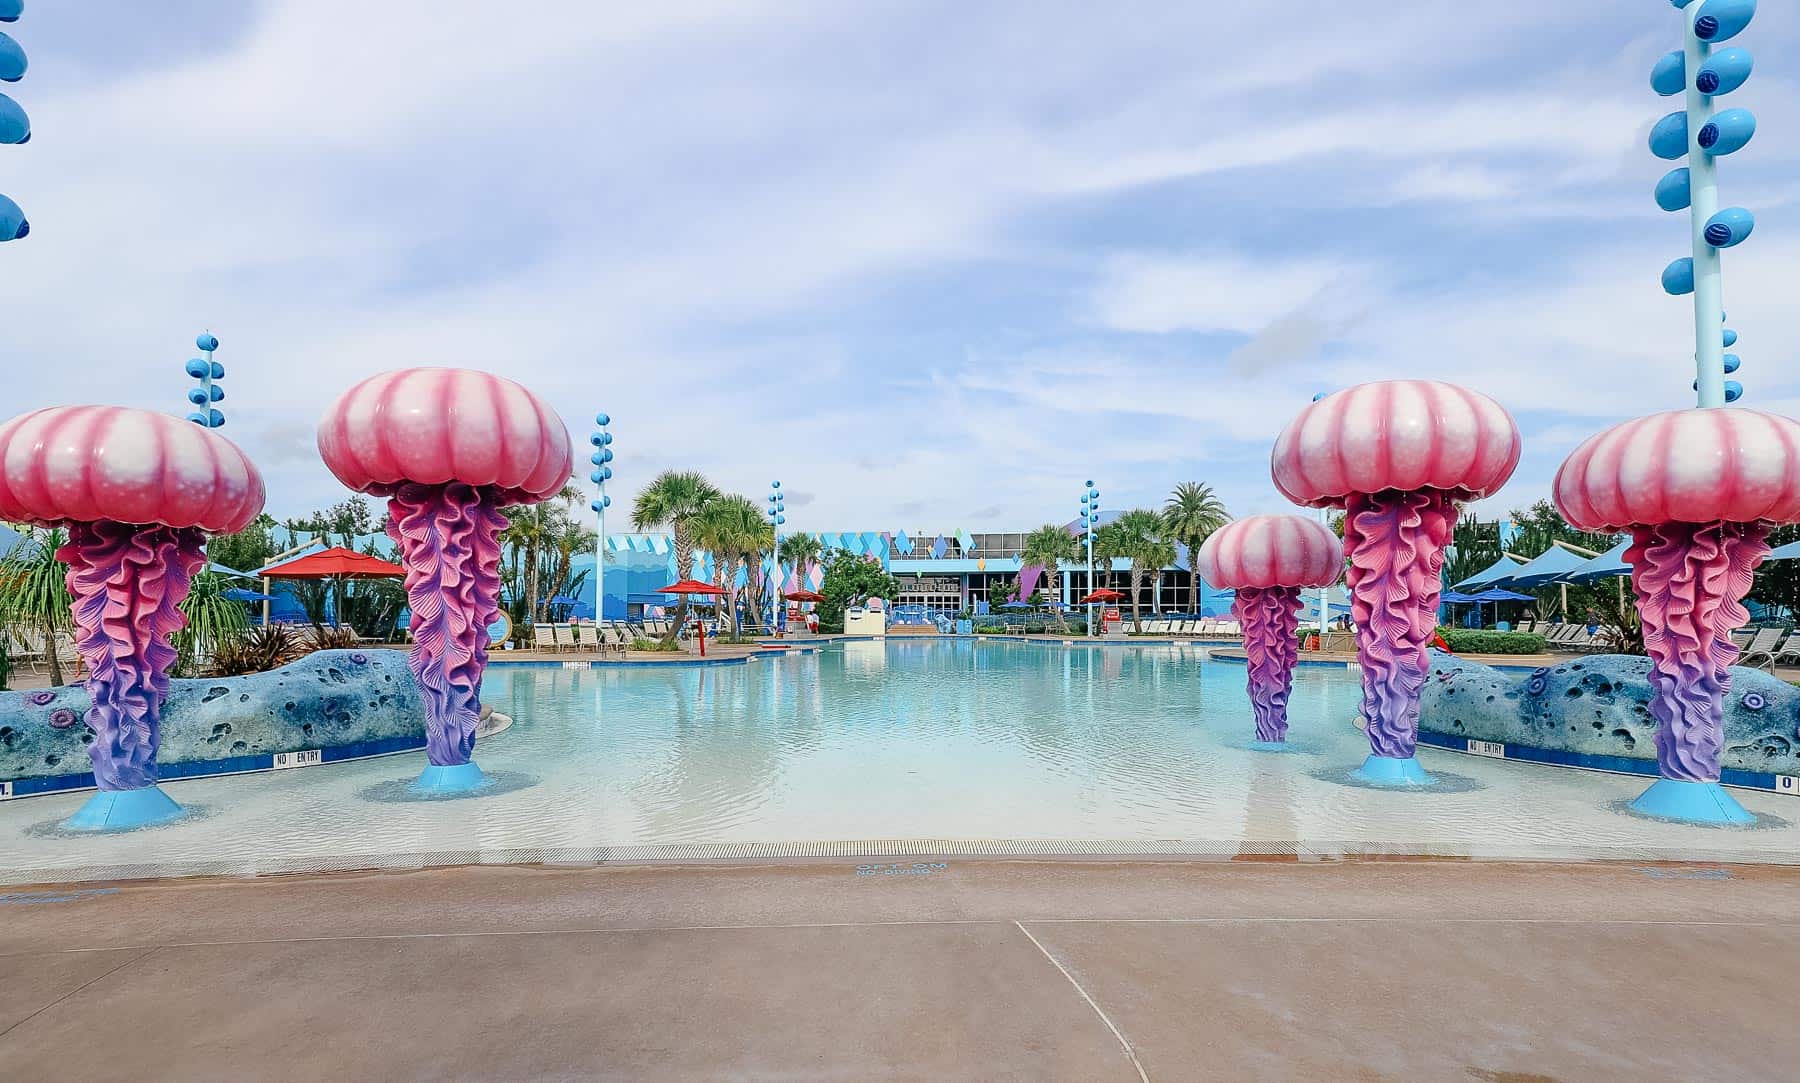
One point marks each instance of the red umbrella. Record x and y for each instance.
(338, 562)
(804, 596)
(1101, 595)
(694, 586)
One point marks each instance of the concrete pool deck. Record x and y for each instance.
(947, 969)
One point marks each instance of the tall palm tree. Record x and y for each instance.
(797, 551)
(34, 592)
(734, 530)
(534, 528)
(1138, 536)
(1193, 513)
(674, 498)
(1049, 546)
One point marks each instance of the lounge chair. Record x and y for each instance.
(542, 637)
(1760, 654)
(613, 641)
(587, 637)
(1231, 628)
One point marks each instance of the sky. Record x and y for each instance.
(933, 265)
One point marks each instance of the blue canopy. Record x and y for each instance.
(1605, 566)
(1502, 596)
(238, 594)
(1790, 551)
(1549, 566)
(1494, 572)
(1451, 597)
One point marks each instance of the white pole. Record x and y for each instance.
(1324, 592)
(1703, 189)
(600, 565)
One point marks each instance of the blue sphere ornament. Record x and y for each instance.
(13, 225)
(218, 419)
(218, 371)
(606, 456)
(780, 519)
(606, 501)
(1678, 277)
(197, 396)
(606, 473)
(1722, 20)
(771, 498)
(1730, 338)
(1733, 362)
(197, 418)
(597, 458)
(1669, 76)
(1733, 391)
(10, 10)
(603, 419)
(605, 438)
(775, 485)
(1319, 396)
(12, 60)
(1729, 227)
(1090, 483)
(1674, 190)
(594, 439)
(596, 477)
(196, 367)
(15, 126)
(1727, 132)
(1724, 71)
(207, 342)
(218, 393)
(595, 505)
(1669, 139)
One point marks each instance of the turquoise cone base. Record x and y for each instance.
(123, 810)
(1390, 771)
(439, 781)
(1691, 802)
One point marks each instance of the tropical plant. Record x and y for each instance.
(674, 498)
(797, 553)
(1778, 581)
(533, 529)
(1136, 536)
(851, 578)
(334, 639)
(734, 529)
(34, 592)
(212, 621)
(1048, 546)
(257, 650)
(1190, 516)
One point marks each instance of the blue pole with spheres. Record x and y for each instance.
(777, 513)
(208, 372)
(15, 126)
(1090, 519)
(1696, 132)
(602, 473)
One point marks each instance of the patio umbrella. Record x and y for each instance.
(691, 587)
(1502, 596)
(338, 563)
(1102, 595)
(1551, 565)
(239, 594)
(1487, 576)
(1604, 566)
(803, 596)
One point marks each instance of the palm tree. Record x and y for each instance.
(1138, 536)
(533, 528)
(34, 592)
(674, 499)
(1191, 516)
(797, 551)
(734, 530)
(1049, 546)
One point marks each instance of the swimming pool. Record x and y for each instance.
(895, 747)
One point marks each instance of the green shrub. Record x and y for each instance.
(1471, 641)
(654, 645)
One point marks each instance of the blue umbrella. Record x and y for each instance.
(1487, 576)
(1451, 597)
(1502, 596)
(1605, 566)
(238, 594)
(1550, 566)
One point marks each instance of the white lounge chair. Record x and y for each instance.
(1761, 650)
(542, 637)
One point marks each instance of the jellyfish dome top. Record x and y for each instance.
(1398, 456)
(1699, 491)
(1268, 560)
(138, 492)
(448, 448)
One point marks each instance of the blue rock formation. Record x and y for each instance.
(325, 700)
(1600, 705)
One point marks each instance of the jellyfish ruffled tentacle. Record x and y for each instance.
(449, 538)
(1396, 544)
(127, 583)
(1270, 617)
(1691, 580)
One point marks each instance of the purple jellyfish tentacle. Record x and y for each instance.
(1396, 545)
(1690, 581)
(128, 583)
(449, 538)
(1270, 617)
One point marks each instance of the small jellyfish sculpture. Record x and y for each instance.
(1699, 490)
(1398, 456)
(1268, 560)
(448, 448)
(138, 492)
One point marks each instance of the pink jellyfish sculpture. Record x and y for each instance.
(448, 448)
(1398, 456)
(1268, 560)
(1699, 491)
(138, 492)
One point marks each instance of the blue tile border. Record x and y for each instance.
(1319, 662)
(232, 765)
(1617, 765)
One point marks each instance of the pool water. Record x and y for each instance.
(892, 747)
